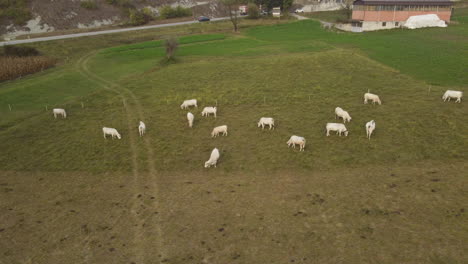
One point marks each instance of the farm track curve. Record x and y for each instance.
(142, 182)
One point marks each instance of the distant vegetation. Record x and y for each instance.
(20, 51)
(121, 3)
(139, 17)
(89, 4)
(253, 11)
(15, 10)
(173, 12)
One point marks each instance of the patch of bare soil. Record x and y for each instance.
(413, 214)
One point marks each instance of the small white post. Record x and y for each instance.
(9, 106)
(46, 108)
(216, 102)
(429, 89)
(82, 105)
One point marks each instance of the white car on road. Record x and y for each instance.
(299, 10)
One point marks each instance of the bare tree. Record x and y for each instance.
(232, 7)
(171, 46)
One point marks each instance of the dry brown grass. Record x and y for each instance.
(15, 67)
(372, 214)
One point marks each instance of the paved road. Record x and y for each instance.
(22, 41)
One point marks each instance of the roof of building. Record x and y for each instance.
(402, 2)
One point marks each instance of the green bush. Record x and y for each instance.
(148, 12)
(253, 11)
(165, 12)
(88, 4)
(138, 17)
(170, 12)
(20, 51)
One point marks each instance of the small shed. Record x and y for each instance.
(276, 11)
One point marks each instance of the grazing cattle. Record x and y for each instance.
(220, 129)
(142, 128)
(340, 113)
(373, 97)
(111, 131)
(209, 110)
(338, 127)
(370, 126)
(59, 111)
(190, 118)
(266, 121)
(453, 94)
(187, 103)
(297, 140)
(213, 158)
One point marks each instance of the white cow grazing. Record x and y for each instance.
(190, 118)
(453, 94)
(111, 131)
(213, 158)
(209, 110)
(370, 126)
(220, 129)
(373, 97)
(338, 127)
(59, 111)
(187, 103)
(340, 113)
(266, 121)
(142, 128)
(297, 140)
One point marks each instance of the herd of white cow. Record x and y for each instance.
(266, 121)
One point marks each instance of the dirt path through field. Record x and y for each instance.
(142, 182)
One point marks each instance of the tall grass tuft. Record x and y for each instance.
(15, 67)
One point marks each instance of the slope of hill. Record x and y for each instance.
(39, 16)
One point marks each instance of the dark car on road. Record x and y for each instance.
(203, 18)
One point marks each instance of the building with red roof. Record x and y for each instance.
(385, 14)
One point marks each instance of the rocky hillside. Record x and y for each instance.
(321, 5)
(24, 17)
(20, 17)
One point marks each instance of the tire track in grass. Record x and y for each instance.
(140, 183)
(84, 71)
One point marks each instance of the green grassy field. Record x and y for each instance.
(69, 196)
